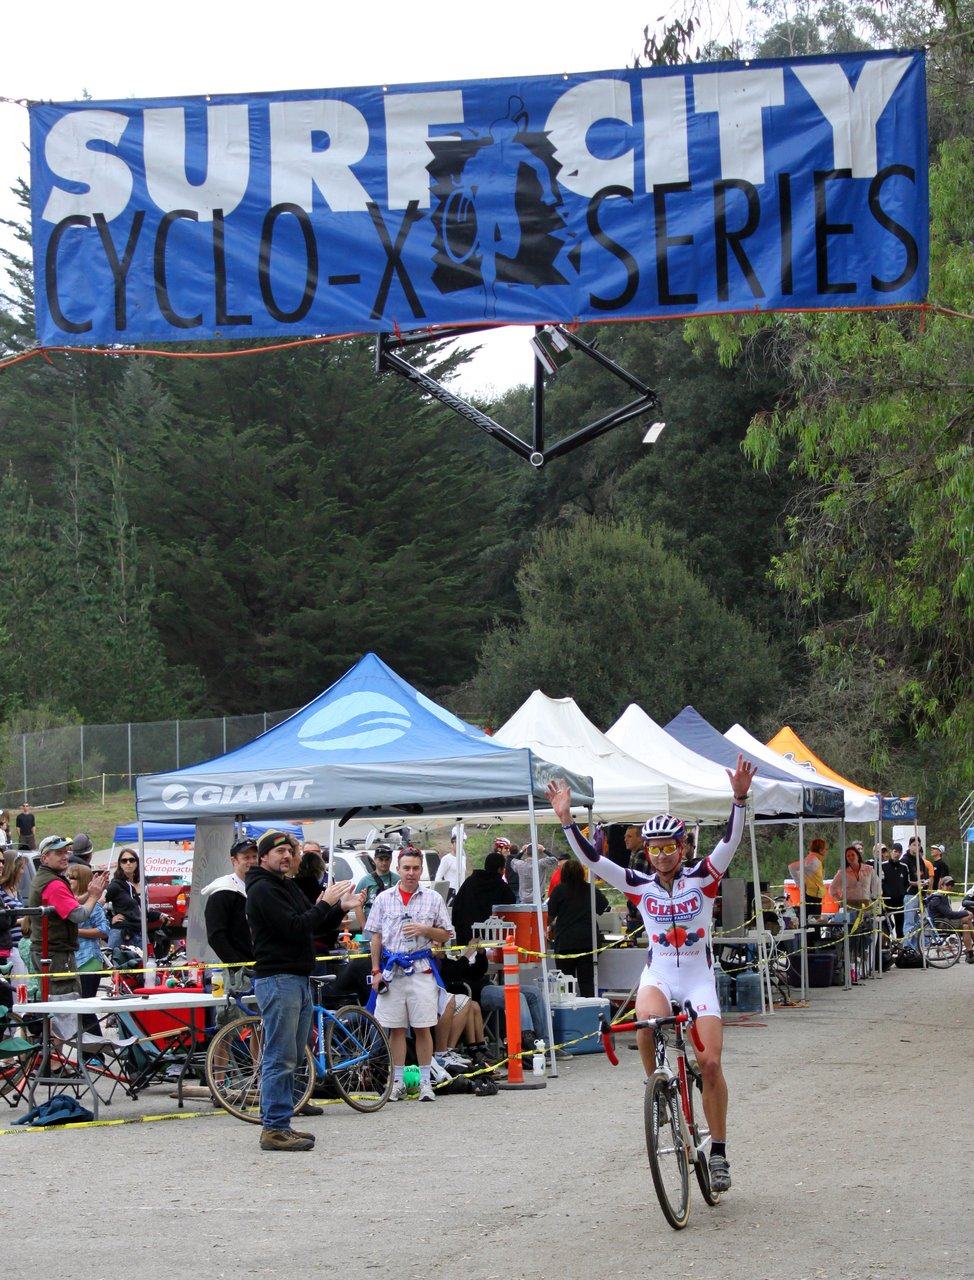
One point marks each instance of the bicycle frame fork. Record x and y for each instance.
(680, 1081)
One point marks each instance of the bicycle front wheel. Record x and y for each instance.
(233, 1063)
(668, 1161)
(944, 952)
(358, 1058)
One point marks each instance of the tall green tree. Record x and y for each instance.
(609, 616)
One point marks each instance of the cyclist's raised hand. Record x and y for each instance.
(560, 798)
(740, 779)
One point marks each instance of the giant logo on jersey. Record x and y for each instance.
(684, 907)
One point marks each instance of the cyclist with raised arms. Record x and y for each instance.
(676, 903)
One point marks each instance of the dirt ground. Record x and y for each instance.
(837, 1171)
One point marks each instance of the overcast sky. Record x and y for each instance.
(63, 50)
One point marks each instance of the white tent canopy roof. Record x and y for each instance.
(858, 807)
(625, 788)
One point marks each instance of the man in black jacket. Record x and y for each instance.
(896, 881)
(283, 929)
(225, 913)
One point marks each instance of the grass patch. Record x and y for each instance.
(85, 813)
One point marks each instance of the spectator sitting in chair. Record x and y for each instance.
(225, 915)
(945, 916)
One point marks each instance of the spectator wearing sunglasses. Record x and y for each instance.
(124, 898)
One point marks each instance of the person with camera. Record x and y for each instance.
(283, 928)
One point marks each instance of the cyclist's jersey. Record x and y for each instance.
(677, 920)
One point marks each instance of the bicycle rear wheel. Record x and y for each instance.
(667, 1154)
(359, 1058)
(233, 1063)
(700, 1133)
(944, 952)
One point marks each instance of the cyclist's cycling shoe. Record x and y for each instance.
(720, 1178)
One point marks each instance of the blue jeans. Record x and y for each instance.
(532, 1008)
(285, 1007)
(911, 919)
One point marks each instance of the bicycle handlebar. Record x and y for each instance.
(687, 1016)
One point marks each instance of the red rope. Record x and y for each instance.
(294, 343)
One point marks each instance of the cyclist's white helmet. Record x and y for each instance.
(663, 825)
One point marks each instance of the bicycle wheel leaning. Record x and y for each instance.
(667, 1153)
(233, 1063)
(358, 1058)
(700, 1133)
(943, 951)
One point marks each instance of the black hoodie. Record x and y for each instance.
(282, 925)
(475, 901)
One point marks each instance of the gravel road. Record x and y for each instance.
(835, 1171)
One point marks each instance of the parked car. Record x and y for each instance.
(170, 894)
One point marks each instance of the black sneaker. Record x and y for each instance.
(969, 957)
(720, 1177)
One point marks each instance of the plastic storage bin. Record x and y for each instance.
(579, 1017)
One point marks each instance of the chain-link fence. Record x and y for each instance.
(45, 767)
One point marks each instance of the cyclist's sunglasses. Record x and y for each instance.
(670, 847)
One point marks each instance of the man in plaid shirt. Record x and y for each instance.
(405, 923)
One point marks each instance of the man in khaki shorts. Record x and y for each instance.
(405, 923)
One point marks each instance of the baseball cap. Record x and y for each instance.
(81, 843)
(939, 847)
(51, 844)
(238, 846)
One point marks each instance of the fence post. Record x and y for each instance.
(265, 721)
(82, 757)
(130, 753)
(177, 744)
(23, 749)
(224, 735)
(103, 791)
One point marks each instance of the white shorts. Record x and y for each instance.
(411, 1001)
(444, 997)
(700, 989)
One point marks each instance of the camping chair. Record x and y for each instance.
(157, 1046)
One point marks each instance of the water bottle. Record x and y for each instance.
(150, 972)
(217, 984)
(537, 1060)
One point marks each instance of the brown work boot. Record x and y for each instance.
(285, 1140)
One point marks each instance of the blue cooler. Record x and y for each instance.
(748, 992)
(578, 1016)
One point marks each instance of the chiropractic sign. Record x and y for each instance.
(649, 193)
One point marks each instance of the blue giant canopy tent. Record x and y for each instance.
(371, 744)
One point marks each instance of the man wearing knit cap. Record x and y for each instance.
(283, 929)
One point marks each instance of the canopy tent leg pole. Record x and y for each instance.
(595, 923)
(767, 1001)
(846, 953)
(878, 908)
(539, 913)
(461, 853)
(143, 896)
(802, 912)
(332, 837)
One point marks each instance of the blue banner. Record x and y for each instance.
(899, 808)
(652, 193)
